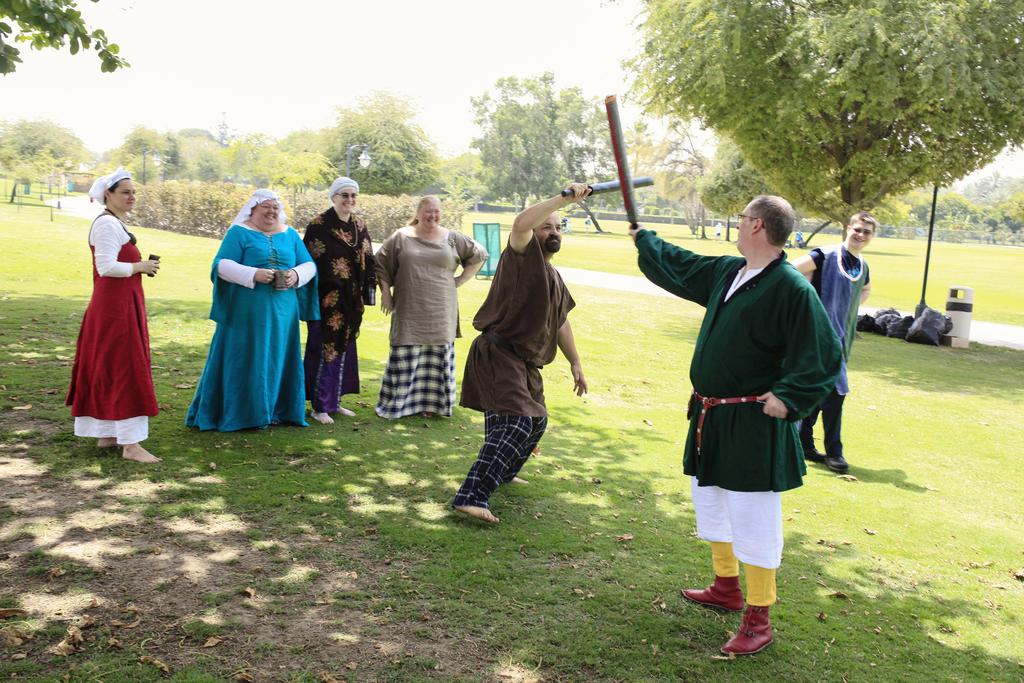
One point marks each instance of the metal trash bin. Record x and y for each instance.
(959, 308)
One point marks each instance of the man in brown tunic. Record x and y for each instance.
(522, 320)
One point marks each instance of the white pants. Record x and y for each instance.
(750, 520)
(128, 431)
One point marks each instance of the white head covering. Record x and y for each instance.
(258, 197)
(104, 183)
(340, 184)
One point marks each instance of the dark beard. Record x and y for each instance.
(553, 244)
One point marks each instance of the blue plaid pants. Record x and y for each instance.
(508, 442)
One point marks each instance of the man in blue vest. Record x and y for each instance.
(840, 277)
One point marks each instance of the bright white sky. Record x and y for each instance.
(276, 67)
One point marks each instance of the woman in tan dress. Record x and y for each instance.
(416, 272)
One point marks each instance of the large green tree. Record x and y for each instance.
(143, 151)
(462, 178)
(730, 182)
(32, 149)
(403, 159)
(535, 139)
(840, 104)
(50, 24)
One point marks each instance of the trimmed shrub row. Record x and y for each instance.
(207, 209)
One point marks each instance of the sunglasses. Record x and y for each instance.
(347, 195)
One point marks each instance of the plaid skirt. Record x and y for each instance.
(418, 379)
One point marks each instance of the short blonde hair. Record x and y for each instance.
(419, 205)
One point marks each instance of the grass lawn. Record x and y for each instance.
(328, 553)
(897, 265)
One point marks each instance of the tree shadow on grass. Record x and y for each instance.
(972, 372)
(345, 538)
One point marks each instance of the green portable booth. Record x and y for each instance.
(489, 235)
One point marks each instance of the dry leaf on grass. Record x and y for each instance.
(1019, 574)
(243, 677)
(152, 661)
(822, 616)
(213, 641)
(72, 642)
(13, 636)
(18, 657)
(55, 572)
(648, 422)
(870, 532)
(352, 666)
(212, 465)
(114, 643)
(249, 592)
(28, 407)
(724, 658)
(847, 477)
(117, 623)
(624, 537)
(839, 595)
(9, 612)
(326, 677)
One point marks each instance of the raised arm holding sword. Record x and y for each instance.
(765, 356)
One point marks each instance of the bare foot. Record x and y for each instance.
(108, 442)
(138, 454)
(536, 450)
(323, 418)
(478, 512)
(345, 411)
(427, 413)
(518, 480)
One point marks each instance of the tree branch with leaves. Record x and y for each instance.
(52, 24)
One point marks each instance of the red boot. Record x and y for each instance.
(724, 594)
(755, 633)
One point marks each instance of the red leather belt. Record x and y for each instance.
(708, 402)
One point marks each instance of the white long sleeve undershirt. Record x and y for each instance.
(233, 271)
(108, 236)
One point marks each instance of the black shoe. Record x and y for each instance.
(837, 463)
(813, 454)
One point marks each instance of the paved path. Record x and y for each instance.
(993, 334)
(79, 205)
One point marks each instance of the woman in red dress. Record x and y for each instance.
(111, 393)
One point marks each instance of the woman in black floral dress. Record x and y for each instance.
(340, 245)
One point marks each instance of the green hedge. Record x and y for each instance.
(207, 209)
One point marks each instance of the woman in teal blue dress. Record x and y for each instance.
(264, 282)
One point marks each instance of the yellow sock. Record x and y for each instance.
(760, 586)
(723, 560)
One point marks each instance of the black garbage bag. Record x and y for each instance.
(947, 324)
(927, 327)
(866, 323)
(899, 328)
(884, 317)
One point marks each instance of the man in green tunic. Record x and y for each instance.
(765, 357)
